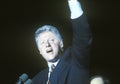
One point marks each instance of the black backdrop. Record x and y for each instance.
(20, 18)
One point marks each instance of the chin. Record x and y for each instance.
(53, 60)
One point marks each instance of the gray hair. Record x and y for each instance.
(50, 28)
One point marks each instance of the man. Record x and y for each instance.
(70, 66)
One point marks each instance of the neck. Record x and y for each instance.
(54, 60)
(55, 63)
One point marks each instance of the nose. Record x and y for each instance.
(47, 44)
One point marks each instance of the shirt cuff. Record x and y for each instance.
(75, 9)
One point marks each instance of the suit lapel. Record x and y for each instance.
(61, 71)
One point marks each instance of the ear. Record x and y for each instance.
(61, 44)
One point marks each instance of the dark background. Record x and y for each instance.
(20, 18)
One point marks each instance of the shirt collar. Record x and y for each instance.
(55, 63)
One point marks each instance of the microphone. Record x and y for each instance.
(22, 78)
(29, 81)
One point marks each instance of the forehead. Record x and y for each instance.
(46, 35)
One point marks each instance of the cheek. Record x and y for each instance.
(56, 47)
(41, 50)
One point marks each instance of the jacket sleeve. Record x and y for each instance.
(82, 39)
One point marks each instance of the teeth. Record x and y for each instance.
(49, 50)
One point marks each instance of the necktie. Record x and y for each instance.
(51, 70)
(52, 67)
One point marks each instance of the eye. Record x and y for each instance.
(52, 39)
(42, 42)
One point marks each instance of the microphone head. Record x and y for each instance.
(23, 77)
(29, 81)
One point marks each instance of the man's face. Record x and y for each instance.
(49, 45)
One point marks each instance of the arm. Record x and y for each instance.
(81, 33)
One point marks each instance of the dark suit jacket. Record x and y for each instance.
(73, 65)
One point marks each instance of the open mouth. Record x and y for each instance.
(49, 51)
